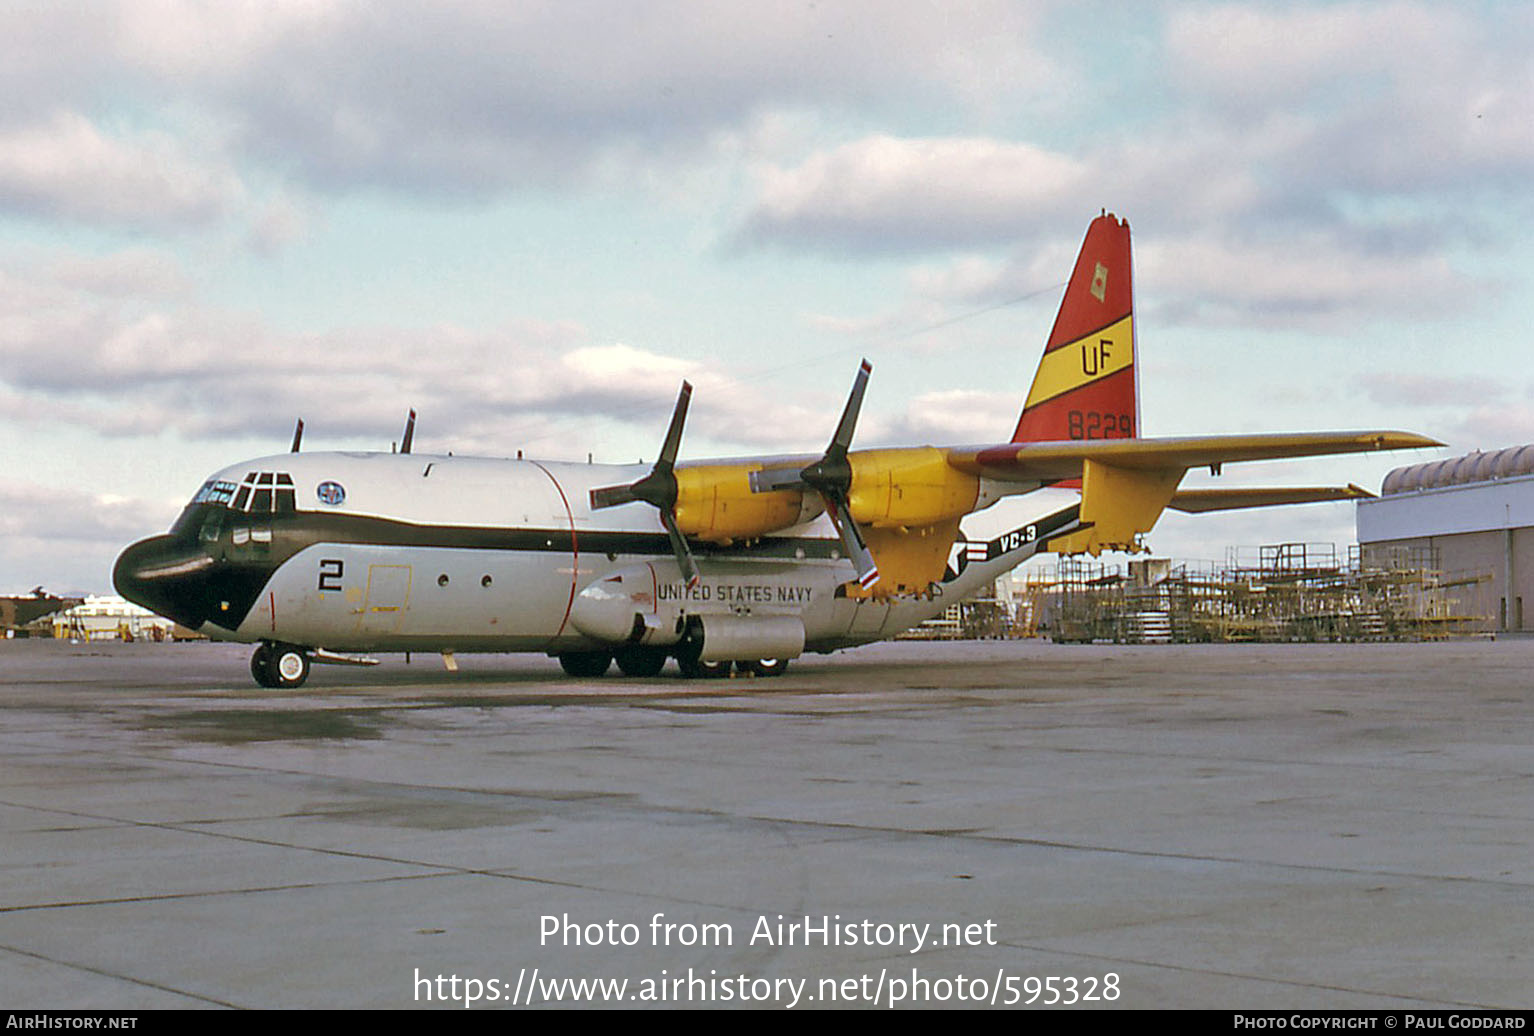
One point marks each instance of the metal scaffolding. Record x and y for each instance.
(1288, 592)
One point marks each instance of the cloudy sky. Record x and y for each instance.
(531, 220)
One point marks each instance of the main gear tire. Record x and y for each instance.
(640, 661)
(586, 665)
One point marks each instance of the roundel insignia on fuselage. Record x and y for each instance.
(332, 493)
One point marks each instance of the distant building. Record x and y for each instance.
(111, 618)
(1470, 514)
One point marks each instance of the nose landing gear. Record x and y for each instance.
(281, 666)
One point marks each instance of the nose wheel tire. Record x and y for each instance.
(764, 666)
(279, 666)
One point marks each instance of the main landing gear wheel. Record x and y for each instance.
(280, 665)
(638, 660)
(687, 660)
(586, 664)
(764, 666)
(697, 669)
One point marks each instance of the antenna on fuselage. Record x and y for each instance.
(404, 446)
(298, 435)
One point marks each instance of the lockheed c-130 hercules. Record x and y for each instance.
(746, 562)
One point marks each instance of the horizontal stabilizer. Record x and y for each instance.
(1198, 501)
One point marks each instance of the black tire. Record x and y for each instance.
(585, 664)
(287, 666)
(768, 666)
(640, 661)
(697, 669)
(687, 660)
(260, 660)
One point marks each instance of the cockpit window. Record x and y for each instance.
(287, 502)
(214, 491)
(261, 492)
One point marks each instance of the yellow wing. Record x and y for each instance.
(1060, 461)
(1127, 483)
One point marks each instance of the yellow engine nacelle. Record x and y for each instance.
(908, 501)
(714, 502)
(909, 487)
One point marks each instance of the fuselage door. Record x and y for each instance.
(388, 595)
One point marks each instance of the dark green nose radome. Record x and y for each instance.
(178, 577)
(167, 577)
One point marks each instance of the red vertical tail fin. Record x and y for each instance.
(1087, 385)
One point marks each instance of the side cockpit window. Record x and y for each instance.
(211, 527)
(215, 491)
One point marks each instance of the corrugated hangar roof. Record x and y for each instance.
(1459, 471)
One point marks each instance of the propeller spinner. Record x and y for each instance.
(659, 489)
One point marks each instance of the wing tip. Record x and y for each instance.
(1406, 441)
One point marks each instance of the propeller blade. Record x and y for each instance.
(831, 474)
(658, 488)
(674, 433)
(409, 433)
(612, 496)
(298, 435)
(679, 547)
(770, 480)
(852, 543)
(844, 428)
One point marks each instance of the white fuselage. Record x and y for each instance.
(401, 552)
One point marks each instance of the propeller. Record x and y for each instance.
(659, 489)
(831, 477)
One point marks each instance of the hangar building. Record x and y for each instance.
(1462, 515)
